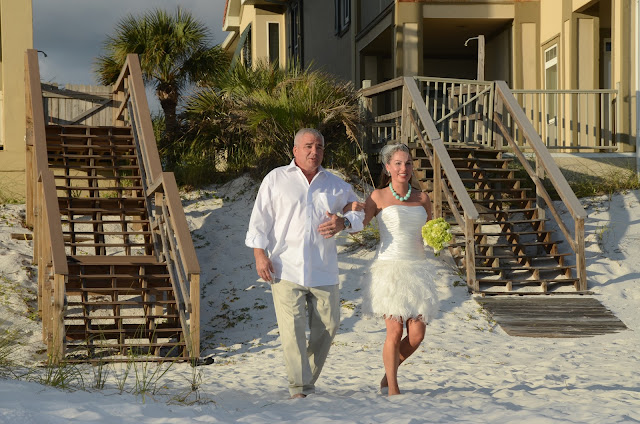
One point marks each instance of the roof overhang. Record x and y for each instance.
(231, 20)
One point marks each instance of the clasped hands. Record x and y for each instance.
(335, 223)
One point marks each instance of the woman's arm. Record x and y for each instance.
(371, 207)
(426, 203)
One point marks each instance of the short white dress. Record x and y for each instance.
(401, 282)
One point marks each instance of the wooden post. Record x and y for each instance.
(57, 350)
(581, 266)
(480, 57)
(405, 124)
(194, 317)
(366, 104)
(437, 186)
(539, 200)
(470, 254)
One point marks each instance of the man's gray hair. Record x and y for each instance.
(303, 131)
(387, 151)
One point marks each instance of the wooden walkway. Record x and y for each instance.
(543, 316)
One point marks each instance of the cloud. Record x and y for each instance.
(71, 32)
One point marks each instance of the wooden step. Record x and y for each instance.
(122, 317)
(561, 268)
(509, 245)
(504, 233)
(75, 157)
(90, 188)
(108, 233)
(103, 211)
(53, 145)
(546, 256)
(114, 260)
(528, 282)
(105, 303)
(97, 177)
(94, 167)
(103, 202)
(87, 244)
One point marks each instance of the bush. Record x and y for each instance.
(250, 117)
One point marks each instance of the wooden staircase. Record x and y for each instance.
(118, 279)
(515, 253)
(482, 162)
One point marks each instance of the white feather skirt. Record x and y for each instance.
(401, 289)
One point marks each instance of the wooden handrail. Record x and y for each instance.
(168, 220)
(382, 87)
(559, 182)
(179, 223)
(124, 73)
(557, 179)
(441, 151)
(140, 114)
(37, 141)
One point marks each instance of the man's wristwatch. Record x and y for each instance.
(347, 223)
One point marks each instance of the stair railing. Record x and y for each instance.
(172, 238)
(43, 215)
(417, 124)
(511, 123)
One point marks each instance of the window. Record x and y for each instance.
(342, 16)
(295, 32)
(274, 42)
(551, 81)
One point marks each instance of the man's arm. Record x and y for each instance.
(260, 223)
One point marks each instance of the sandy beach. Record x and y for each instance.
(468, 370)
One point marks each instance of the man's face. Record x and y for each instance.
(308, 153)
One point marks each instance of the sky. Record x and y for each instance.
(71, 32)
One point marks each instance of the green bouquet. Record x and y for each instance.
(436, 233)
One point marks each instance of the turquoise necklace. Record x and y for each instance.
(397, 196)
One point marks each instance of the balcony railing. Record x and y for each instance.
(572, 120)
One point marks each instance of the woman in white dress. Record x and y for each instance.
(400, 284)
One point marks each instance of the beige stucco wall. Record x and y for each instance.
(16, 36)
(260, 35)
(323, 49)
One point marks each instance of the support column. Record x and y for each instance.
(408, 44)
(621, 64)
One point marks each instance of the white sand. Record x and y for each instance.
(467, 370)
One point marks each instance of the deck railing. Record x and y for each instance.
(511, 122)
(417, 125)
(459, 108)
(171, 234)
(572, 120)
(43, 215)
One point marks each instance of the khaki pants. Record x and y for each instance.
(304, 360)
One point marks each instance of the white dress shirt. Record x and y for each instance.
(285, 220)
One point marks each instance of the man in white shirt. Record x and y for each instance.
(294, 219)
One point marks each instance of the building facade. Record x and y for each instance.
(530, 44)
(16, 36)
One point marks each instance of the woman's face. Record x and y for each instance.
(400, 167)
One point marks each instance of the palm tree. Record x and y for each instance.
(174, 52)
(253, 114)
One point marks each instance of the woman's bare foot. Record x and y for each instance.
(383, 382)
(394, 392)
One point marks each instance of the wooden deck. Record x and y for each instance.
(544, 316)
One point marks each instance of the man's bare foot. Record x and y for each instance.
(298, 396)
